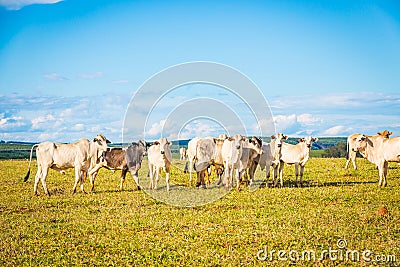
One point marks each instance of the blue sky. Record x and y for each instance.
(68, 69)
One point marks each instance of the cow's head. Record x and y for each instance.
(256, 144)
(237, 140)
(163, 143)
(278, 139)
(223, 136)
(101, 141)
(361, 143)
(384, 134)
(308, 141)
(276, 143)
(142, 147)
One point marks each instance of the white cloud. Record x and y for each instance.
(156, 128)
(120, 81)
(338, 130)
(78, 127)
(308, 119)
(283, 122)
(91, 75)
(18, 4)
(55, 77)
(39, 121)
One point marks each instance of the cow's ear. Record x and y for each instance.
(315, 139)
(244, 138)
(378, 133)
(108, 141)
(156, 143)
(273, 137)
(169, 143)
(390, 133)
(230, 138)
(301, 140)
(95, 139)
(285, 137)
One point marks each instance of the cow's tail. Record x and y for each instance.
(29, 166)
(348, 150)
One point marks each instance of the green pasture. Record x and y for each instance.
(130, 228)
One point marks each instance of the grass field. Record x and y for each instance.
(131, 228)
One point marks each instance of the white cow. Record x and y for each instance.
(81, 156)
(296, 154)
(159, 156)
(251, 150)
(191, 156)
(182, 153)
(207, 154)
(270, 157)
(231, 154)
(379, 150)
(351, 142)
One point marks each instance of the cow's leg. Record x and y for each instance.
(385, 169)
(92, 176)
(157, 178)
(37, 179)
(268, 174)
(185, 170)
(77, 179)
(353, 159)
(301, 174)
(190, 169)
(122, 178)
(238, 179)
(82, 180)
(252, 171)
(227, 172)
(167, 170)
(151, 174)
(296, 172)
(275, 173)
(380, 168)
(281, 166)
(45, 170)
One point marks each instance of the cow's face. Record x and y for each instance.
(237, 140)
(384, 134)
(279, 138)
(163, 143)
(308, 141)
(142, 148)
(361, 143)
(101, 141)
(256, 143)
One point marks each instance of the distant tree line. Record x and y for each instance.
(337, 151)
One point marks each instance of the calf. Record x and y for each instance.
(191, 157)
(231, 153)
(296, 154)
(159, 156)
(270, 157)
(251, 150)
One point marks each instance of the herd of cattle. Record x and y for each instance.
(230, 157)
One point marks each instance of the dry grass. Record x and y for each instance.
(131, 228)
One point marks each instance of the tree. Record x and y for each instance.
(338, 151)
